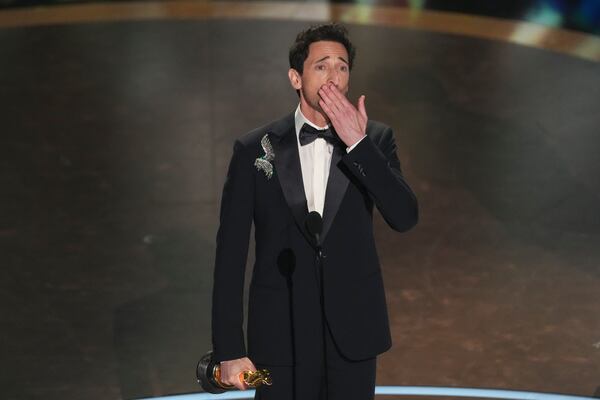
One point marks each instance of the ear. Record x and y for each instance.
(295, 79)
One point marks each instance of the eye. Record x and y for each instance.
(344, 68)
(321, 67)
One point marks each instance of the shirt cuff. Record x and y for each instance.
(349, 149)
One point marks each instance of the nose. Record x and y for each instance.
(334, 78)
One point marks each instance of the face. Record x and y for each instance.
(326, 62)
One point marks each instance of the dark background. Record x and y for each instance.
(579, 15)
(115, 141)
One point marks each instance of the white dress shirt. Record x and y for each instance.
(315, 160)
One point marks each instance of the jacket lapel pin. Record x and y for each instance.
(263, 163)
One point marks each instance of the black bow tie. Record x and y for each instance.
(308, 134)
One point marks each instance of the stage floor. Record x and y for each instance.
(116, 137)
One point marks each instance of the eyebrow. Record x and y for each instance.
(326, 57)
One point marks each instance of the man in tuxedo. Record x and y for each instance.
(317, 326)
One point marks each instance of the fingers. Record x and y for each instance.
(361, 107)
(339, 105)
(339, 96)
(240, 382)
(248, 366)
(232, 372)
(236, 380)
(349, 121)
(336, 101)
(328, 111)
(330, 99)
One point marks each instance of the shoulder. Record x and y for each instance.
(252, 138)
(249, 145)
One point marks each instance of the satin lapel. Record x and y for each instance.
(336, 188)
(287, 167)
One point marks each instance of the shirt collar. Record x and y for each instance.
(301, 120)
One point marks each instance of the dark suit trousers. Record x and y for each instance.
(339, 379)
(321, 372)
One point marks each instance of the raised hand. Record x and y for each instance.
(349, 122)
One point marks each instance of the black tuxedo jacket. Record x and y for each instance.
(354, 302)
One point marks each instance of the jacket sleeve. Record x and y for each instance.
(237, 205)
(377, 168)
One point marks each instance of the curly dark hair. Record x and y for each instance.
(332, 32)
